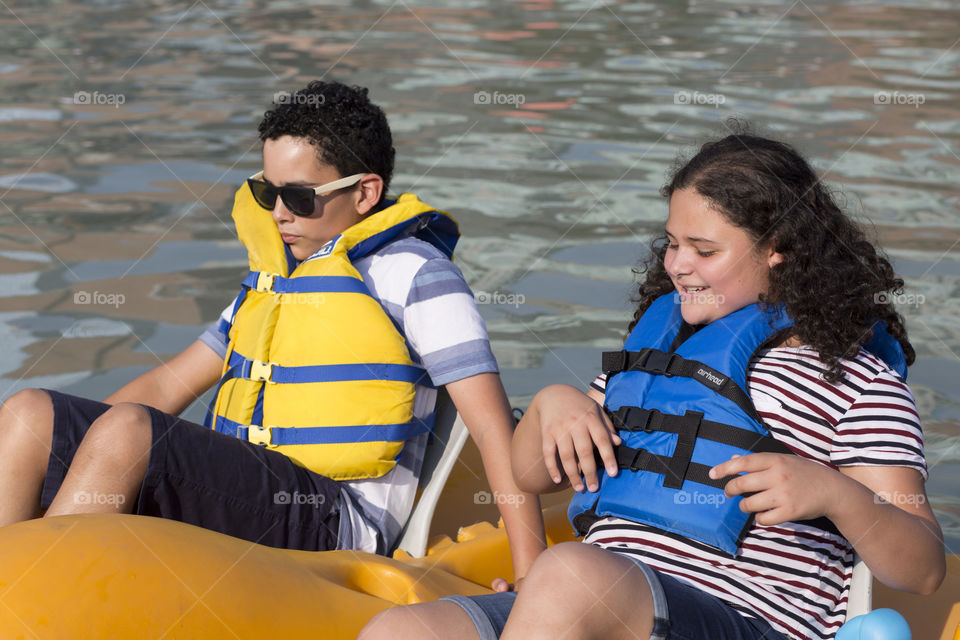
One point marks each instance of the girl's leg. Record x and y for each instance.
(26, 432)
(577, 590)
(108, 469)
(428, 621)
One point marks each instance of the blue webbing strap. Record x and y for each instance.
(333, 435)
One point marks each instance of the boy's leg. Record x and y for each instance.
(109, 465)
(26, 433)
(218, 482)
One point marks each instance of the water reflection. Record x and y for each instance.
(545, 128)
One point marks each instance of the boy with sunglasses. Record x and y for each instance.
(327, 363)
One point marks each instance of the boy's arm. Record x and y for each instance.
(483, 405)
(172, 386)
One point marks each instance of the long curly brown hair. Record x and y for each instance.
(834, 283)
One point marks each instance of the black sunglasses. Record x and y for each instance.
(298, 200)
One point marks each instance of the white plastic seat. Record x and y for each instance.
(449, 436)
(860, 598)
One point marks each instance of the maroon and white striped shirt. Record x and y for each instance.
(795, 577)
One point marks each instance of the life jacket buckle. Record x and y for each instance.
(658, 362)
(265, 282)
(261, 371)
(260, 435)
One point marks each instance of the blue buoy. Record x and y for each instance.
(880, 624)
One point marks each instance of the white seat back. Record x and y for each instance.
(449, 436)
(860, 599)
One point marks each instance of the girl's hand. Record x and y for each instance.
(502, 586)
(572, 424)
(783, 487)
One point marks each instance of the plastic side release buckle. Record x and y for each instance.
(262, 436)
(265, 282)
(261, 371)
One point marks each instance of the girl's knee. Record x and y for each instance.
(395, 623)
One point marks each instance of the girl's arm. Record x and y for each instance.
(883, 511)
(557, 436)
(483, 405)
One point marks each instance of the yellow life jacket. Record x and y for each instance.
(315, 368)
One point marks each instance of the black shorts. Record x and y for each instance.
(211, 480)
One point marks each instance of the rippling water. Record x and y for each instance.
(545, 127)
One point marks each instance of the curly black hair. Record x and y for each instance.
(350, 133)
(833, 282)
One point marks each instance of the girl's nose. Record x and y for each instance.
(677, 263)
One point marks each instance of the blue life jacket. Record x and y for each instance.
(680, 405)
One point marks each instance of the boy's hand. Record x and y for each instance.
(572, 424)
(781, 487)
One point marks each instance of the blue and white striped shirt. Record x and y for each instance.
(431, 304)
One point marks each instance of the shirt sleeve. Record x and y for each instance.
(443, 326)
(217, 334)
(881, 428)
(600, 383)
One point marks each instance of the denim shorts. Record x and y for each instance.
(211, 480)
(680, 612)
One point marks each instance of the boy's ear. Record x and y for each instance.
(368, 193)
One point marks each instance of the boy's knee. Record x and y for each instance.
(25, 408)
(122, 432)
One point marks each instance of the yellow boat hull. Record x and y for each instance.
(104, 576)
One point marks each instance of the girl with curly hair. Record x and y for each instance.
(761, 304)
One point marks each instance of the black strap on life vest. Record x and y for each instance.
(650, 420)
(663, 363)
(678, 468)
